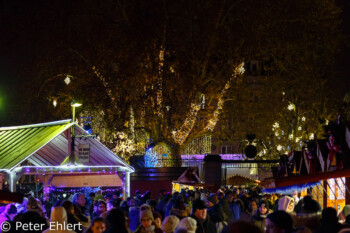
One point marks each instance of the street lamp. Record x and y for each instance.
(71, 155)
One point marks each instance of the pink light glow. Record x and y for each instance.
(223, 157)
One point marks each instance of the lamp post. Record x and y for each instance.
(72, 155)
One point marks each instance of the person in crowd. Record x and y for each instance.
(116, 222)
(260, 215)
(146, 197)
(30, 217)
(170, 223)
(225, 206)
(134, 218)
(241, 226)
(286, 203)
(199, 213)
(71, 218)
(307, 206)
(295, 197)
(46, 205)
(79, 200)
(112, 204)
(32, 205)
(189, 224)
(179, 208)
(216, 212)
(344, 213)
(83, 219)
(147, 223)
(101, 208)
(89, 205)
(329, 221)
(279, 222)
(235, 208)
(59, 221)
(252, 206)
(163, 203)
(138, 198)
(97, 225)
(8, 214)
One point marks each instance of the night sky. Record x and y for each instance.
(18, 46)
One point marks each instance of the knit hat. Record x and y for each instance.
(212, 198)
(188, 223)
(146, 214)
(284, 202)
(170, 223)
(264, 203)
(282, 220)
(198, 204)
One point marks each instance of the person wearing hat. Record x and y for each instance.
(260, 215)
(147, 223)
(189, 224)
(279, 222)
(170, 223)
(199, 213)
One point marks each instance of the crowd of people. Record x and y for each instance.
(229, 210)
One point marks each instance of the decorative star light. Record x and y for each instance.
(67, 80)
(291, 107)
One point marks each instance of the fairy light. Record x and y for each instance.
(312, 136)
(276, 125)
(291, 136)
(303, 118)
(105, 84)
(239, 70)
(291, 107)
(180, 135)
(300, 128)
(67, 80)
(54, 102)
(279, 147)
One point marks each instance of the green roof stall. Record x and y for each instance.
(46, 151)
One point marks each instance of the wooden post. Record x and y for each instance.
(2, 176)
(347, 194)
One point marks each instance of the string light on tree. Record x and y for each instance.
(291, 107)
(67, 80)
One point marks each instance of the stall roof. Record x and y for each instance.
(302, 179)
(46, 144)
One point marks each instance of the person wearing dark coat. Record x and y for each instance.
(329, 222)
(260, 215)
(199, 213)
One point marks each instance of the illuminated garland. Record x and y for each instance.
(212, 122)
(160, 85)
(106, 85)
(199, 145)
(181, 135)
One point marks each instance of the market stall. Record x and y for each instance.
(46, 152)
